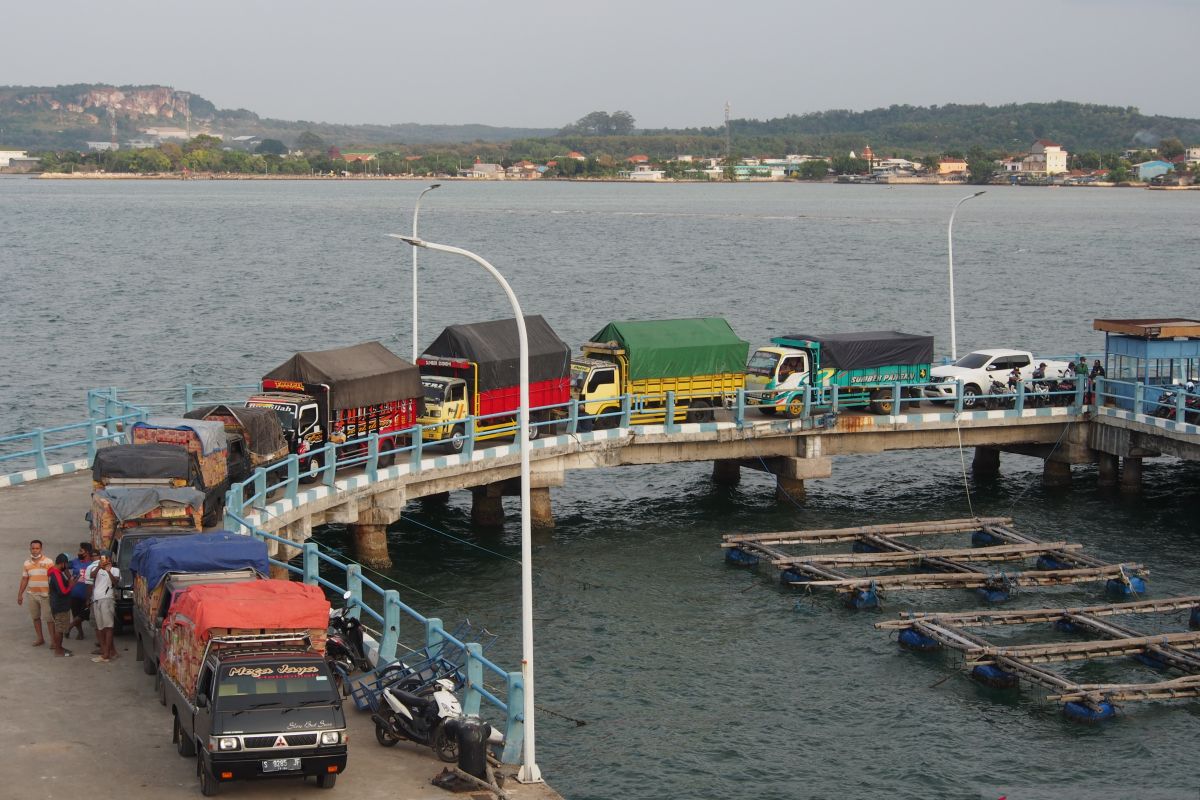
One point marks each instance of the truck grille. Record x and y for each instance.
(267, 742)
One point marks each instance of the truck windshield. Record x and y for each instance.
(433, 391)
(282, 682)
(579, 373)
(762, 363)
(972, 361)
(286, 413)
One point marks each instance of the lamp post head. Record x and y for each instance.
(413, 240)
(981, 191)
(434, 186)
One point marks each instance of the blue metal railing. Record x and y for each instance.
(1162, 401)
(386, 608)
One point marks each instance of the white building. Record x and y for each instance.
(1192, 154)
(8, 155)
(642, 172)
(1046, 157)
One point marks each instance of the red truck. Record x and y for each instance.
(473, 370)
(342, 395)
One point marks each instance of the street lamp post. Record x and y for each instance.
(416, 213)
(950, 248)
(529, 772)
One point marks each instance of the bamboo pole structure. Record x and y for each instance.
(974, 580)
(1036, 615)
(832, 535)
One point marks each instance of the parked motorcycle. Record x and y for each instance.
(1062, 392)
(1167, 402)
(347, 649)
(1038, 395)
(1000, 396)
(420, 717)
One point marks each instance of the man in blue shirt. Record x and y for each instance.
(79, 592)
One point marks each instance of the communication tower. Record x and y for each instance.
(728, 138)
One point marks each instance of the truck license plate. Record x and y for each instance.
(280, 764)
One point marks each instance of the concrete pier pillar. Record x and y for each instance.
(789, 490)
(370, 538)
(1131, 474)
(487, 508)
(1056, 473)
(726, 472)
(986, 463)
(540, 512)
(438, 499)
(280, 573)
(1107, 465)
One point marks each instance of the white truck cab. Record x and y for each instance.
(977, 369)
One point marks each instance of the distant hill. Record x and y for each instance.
(42, 118)
(935, 129)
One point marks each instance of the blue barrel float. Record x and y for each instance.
(993, 676)
(739, 557)
(1129, 586)
(985, 539)
(1089, 715)
(1194, 619)
(912, 639)
(1154, 662)
(790, 576)
(1048, 562)
(863, 598)
(1064, 625)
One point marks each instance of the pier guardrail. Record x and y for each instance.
(387, 609)
(1171, 402)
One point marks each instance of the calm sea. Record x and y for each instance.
(694, 679)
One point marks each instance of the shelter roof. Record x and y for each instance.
(1165, 328)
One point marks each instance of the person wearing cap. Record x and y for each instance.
(61, 580)
(104, 576)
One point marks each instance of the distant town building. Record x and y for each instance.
(7, 155)
(97, 147)
(578, 156)
(170, 133)
(249, 142)
(949, 165)
(481, 170)
(523, 171)
(642, 172)
(357, 155)
(1046, 158)
(1148, 170)
(1192, 154)
(139, 144)
(639, 159)
(685, 159)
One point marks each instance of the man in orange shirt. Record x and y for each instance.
(35, 587)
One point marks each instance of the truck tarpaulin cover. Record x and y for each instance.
(263, 605)
(678, 348)
(211, 434)
(264, 436)
(495, 348)
(362, 375)
(218, 551)
(131, 502)
(154, 461)
(871, 349)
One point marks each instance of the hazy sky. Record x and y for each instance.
(671, 64)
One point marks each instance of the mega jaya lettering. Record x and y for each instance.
(276, 671)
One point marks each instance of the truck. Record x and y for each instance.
(220, 455)
(700, 359)
(257, 428)
(123, 545)
(473, 370)
(151, 484)
(979, 368)
(161, 567)
(244, 676)
(342, 395)
(864, 367)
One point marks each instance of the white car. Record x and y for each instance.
(979, 368)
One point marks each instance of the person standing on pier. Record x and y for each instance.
(60, 580)
(35, 589)
(79, 592)
(104, 604)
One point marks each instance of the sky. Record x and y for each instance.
(541, 64)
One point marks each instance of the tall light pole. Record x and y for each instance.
(416, 213)
(950, 248)
(529, 772)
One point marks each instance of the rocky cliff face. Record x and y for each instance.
(133, 102)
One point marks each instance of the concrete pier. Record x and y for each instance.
(50, 752)
(540, 512)
(727, 472)
(436, 499)
(487, 506)
(789, 490)
(1056, 473)
(370, 538)
(1131, 474)
(986, 463)
(1108, 467)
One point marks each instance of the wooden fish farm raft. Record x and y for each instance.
(885, 557)
(1006, 666)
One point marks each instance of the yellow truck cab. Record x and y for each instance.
(446, 407)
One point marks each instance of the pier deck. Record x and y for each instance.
(71, 728)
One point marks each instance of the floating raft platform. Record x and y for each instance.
(889, 547)
(1006, 666)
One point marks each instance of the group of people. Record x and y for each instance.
(65, 592)
(1073, 370)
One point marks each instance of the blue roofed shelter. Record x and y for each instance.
(1157, 352)
(1148, 170)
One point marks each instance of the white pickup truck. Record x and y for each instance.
(978, 369)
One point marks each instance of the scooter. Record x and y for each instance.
(348, 649)
(419, 717)
(1038, 395)
(999, 396)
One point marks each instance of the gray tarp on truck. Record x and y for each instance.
(495, 348)
(211, 434)
(131, 502)
(153, 461)
(867, 349)
(264, 436)
(362, 375)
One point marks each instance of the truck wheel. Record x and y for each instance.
(795, 408)
(701, 411)
(327, 780)
(389, 459)
(209, 785)
(970, 396)
(768, 411)
(149, 661)
(457, 439)
(311, 474)
(882, 402)
(535, 430)
(183, 744)
(139, 651)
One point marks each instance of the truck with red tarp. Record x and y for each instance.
(162, 566)
(474, 370)
(244, 676)
(342, 395)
